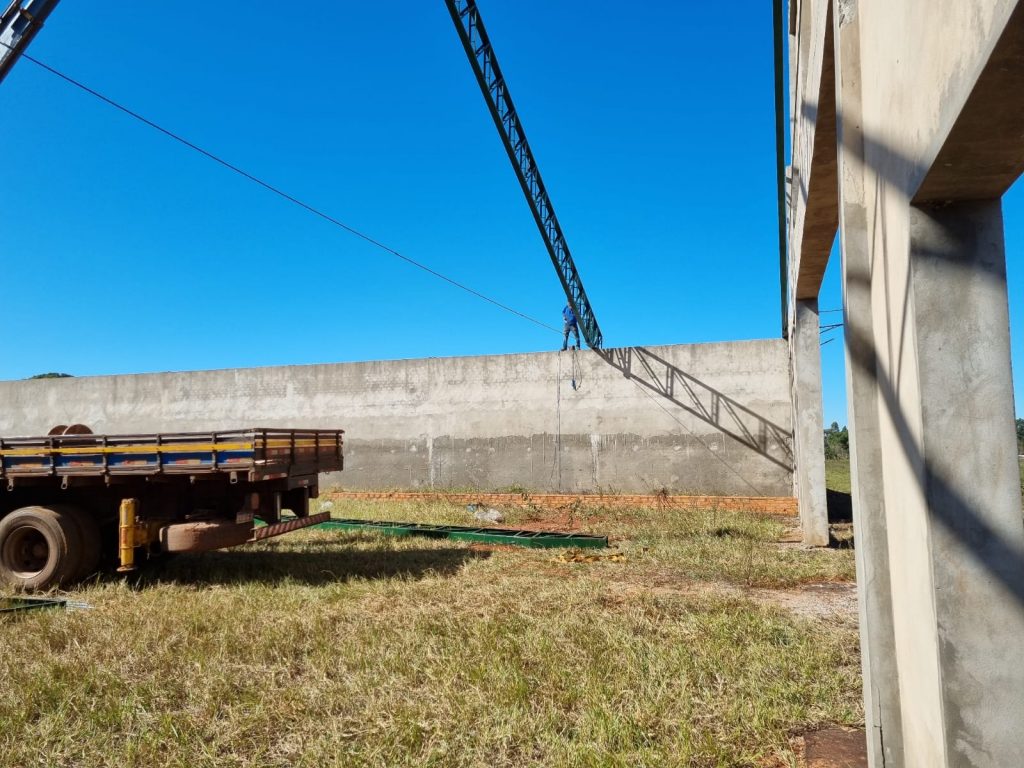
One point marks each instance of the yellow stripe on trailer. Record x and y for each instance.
(154, 448)
(162, 448)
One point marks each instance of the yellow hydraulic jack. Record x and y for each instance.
(133, 534)
(126, 534)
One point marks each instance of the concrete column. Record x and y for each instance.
(808, 430)
(947, 451)
(877, 639)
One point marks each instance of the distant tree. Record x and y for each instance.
(837, 442)
(1020, 435)
(52, 376)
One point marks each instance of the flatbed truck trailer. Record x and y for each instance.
(74, 504)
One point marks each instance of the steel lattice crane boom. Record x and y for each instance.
(474, 38)
(18, 25)
(22, 19)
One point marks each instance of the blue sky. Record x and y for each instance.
(127, 253)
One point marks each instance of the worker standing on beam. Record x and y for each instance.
(569, 326)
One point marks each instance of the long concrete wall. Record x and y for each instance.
(708, 418)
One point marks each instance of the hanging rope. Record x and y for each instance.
(577, 370)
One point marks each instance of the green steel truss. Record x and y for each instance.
(474, 38)
(535, 539)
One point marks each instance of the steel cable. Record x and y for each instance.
(281, 193)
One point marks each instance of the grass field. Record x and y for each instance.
(326, 649)
(837, 475)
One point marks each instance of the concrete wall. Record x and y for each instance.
(927, 143)
(709, 418)
(937, 146)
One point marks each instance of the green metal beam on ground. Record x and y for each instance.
(516, 537)
(18, 604)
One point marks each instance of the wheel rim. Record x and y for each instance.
(26, 552)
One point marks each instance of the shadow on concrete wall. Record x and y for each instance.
(955, 502)
(725, 414)
(1001, 557)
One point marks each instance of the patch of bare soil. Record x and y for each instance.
(830, 600)
(835, 601)
(792, 536)
(840, 536)
(836, 748)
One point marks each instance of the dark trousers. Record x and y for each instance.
(568, 328)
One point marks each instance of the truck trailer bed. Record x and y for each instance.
(253, 454)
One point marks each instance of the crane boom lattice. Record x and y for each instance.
(18, 25)
(474, 38)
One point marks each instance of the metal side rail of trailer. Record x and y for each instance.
(261, 454)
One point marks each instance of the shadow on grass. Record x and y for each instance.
(331, 563)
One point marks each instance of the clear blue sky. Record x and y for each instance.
(125, 252)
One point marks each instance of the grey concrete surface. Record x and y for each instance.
(814, 215)
(935, 143)
(705, 418)
(957, 547)
(882, 716)
(808, 431)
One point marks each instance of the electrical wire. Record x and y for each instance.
(279, 192)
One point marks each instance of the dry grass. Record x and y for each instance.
(837, 475)
(710, 545)
(326, 649)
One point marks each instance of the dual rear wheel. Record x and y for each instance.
(45, 547)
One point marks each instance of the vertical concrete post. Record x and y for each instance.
(808, 431)
(951, 484)
(877, 639)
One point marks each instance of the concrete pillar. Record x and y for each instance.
(877, 639)
(949, 462)
(808, 430)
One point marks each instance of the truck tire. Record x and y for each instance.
(89, 533)
(40, 548)
(203, 536)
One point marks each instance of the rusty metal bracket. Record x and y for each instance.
(293, 524)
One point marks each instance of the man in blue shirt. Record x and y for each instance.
(569, 326)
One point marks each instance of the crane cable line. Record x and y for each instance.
(281, 193)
